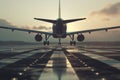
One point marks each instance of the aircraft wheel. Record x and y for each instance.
(44, 42)
(74, 42)
(71, 43)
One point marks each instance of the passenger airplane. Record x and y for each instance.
(59, 29)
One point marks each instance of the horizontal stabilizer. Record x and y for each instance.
(73, 20)
(46, 20)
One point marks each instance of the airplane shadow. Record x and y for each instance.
(59, 66)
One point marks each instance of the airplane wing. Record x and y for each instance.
(93, 30)
(26, 30)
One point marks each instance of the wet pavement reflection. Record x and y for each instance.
(58, 68)
(60, 63)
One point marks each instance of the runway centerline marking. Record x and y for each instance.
(58, 68)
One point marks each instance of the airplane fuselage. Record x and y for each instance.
(59, 29)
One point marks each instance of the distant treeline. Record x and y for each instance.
(100, 43)
(78, 43)
(16, 43)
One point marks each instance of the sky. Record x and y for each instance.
(99, 14)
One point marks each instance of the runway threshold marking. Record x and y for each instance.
(7, 61)
(111, 62)
(58, 68)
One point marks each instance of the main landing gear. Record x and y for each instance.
(72, 42)
(46, 42)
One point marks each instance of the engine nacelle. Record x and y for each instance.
(80, 37)
(38, 37)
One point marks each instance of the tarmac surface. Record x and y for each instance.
(81, 62)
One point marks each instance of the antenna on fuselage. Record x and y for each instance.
(59, 9)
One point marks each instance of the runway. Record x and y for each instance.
(81, 62)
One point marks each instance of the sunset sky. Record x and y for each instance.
(99, 14)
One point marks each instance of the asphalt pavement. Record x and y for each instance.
(64, 62)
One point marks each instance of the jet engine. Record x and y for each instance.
(38, 37)
(80, 37)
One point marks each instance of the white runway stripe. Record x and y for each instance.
(106, 60)
(7, 61)
(111, 62)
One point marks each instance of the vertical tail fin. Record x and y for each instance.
(59, 13)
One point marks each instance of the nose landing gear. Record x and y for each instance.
(46, 42)
(59, 43)
(72, 42)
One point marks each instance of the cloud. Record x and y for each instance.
(111, 10)
(42, 27)
(36, 28)
(106, 19)
(8, 35)
(4, 22)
